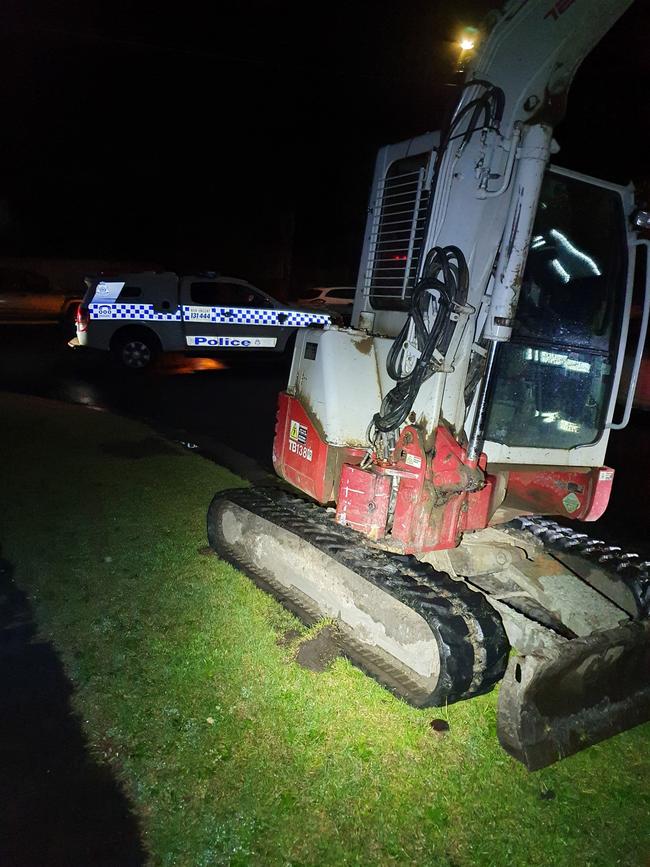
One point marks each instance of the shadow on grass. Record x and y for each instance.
(59, 807)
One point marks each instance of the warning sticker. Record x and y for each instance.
(571, 503)
(413, 461)
(298, 439)
(298, 432)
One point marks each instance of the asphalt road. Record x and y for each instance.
(217, 402)
(227, 408)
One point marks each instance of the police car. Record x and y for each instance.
(137, 316)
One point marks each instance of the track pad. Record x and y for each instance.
(583, 691)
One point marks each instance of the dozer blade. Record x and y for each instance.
(428, 638)
(581, 692)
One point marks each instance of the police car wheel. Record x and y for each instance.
(136, 353)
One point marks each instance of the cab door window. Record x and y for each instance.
(554, 378)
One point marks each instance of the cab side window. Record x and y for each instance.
(220, 294)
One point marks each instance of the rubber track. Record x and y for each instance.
(471, 640)
(618, 565)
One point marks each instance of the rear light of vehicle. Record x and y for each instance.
(82, 318)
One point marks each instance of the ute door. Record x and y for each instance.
(227, 314)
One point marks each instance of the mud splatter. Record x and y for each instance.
(319, 652)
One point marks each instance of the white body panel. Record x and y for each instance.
(344, 384)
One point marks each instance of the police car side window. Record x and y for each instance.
(226, 295)
(130, 292)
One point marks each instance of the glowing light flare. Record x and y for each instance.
(467, 39)
(574, 251)
(557, 360)
(179, 364)
(207, 364)
(568, 426)
(562, 272)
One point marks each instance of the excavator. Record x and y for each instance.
(427, 450)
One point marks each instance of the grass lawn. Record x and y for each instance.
(230, 752)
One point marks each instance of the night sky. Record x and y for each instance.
(241, 136)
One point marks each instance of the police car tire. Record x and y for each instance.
(145, 349)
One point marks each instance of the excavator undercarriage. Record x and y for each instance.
(569, 642)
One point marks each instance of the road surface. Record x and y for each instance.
(228, 407)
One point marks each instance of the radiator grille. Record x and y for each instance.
(398, 224)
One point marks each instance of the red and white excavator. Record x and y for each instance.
(475, 392)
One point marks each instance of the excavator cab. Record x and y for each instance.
(555, 379)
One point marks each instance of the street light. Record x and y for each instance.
(466, 43)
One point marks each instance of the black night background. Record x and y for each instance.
(241, 136)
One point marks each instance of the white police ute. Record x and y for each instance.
(137, 316)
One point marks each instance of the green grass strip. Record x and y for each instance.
(230, 752)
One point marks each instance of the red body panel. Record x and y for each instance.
(302, 457)
(422, 501)
(560, 491)
(363, 501)
(436, 498)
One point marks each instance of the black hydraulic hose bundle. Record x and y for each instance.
(443, 286)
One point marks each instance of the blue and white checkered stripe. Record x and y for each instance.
(132, 312)
(254, 316)
(217, 315)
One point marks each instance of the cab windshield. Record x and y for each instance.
(554, 378)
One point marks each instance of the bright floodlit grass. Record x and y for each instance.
(229, 751)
